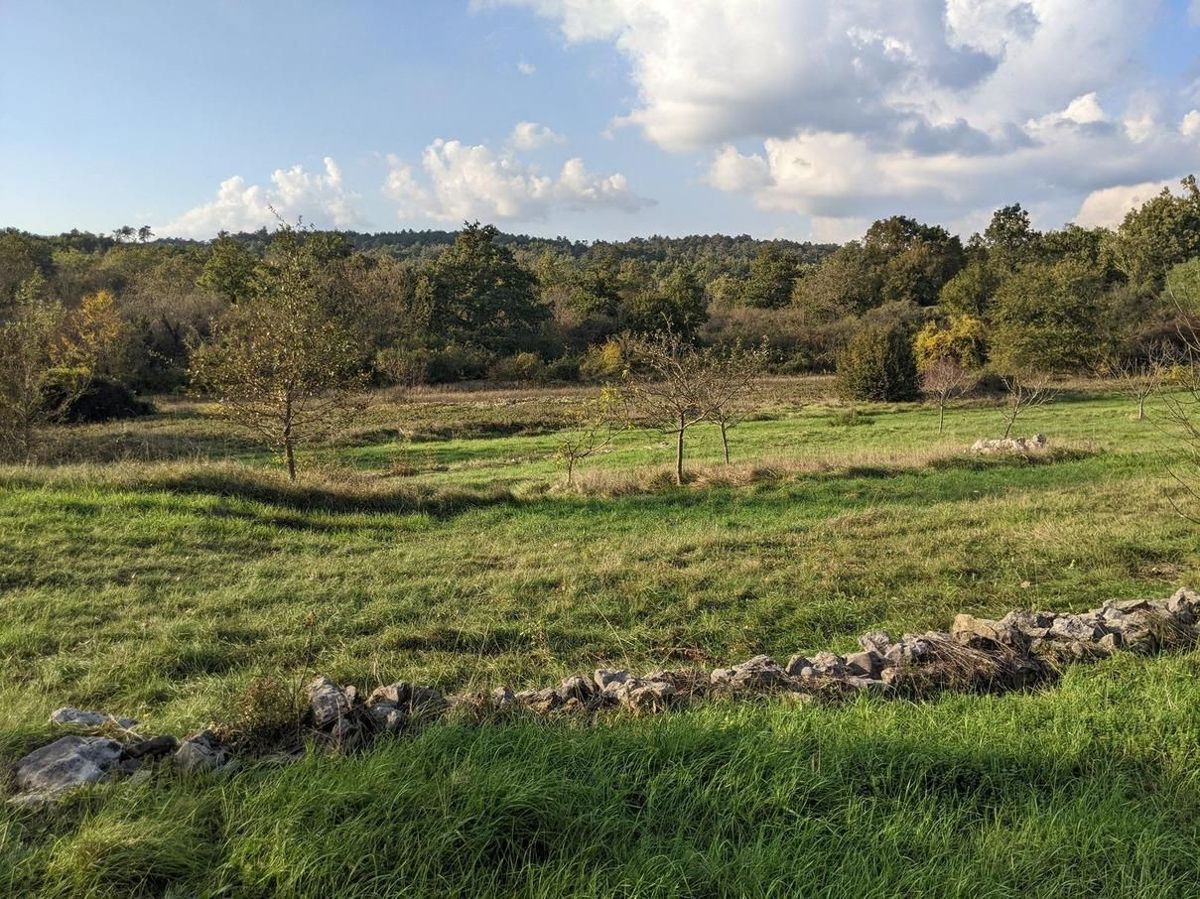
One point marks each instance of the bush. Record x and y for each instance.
(878, 365)
(521, 367)
(103, 400)
(458, 362)
(398, 366)
(564, 369)
(601, 363)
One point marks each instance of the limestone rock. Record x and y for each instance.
(68, 762)
(650, 696)
(576, 687)
(329, 702)
(1010, 444)
(758, 673)
(875, 641)
(201, 752)
(864, 664)
(78, 719)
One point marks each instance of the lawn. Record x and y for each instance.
(162, 565)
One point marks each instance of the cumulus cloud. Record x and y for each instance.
(1190, 126)
(532, 136)
(459, 182)
(950, 102)
(1107, 207)
(321, 198)
(526, 68)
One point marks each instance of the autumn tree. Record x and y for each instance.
(48, 358)
(1141, 375)
(281, 367)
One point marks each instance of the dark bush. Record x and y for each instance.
(878, 365)
(103, 400)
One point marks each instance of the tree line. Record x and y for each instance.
(907, 306)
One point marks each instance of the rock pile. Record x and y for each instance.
(1010, 444)
(1020, 649)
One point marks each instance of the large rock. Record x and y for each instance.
(66, 763)
(984, 633)
(329, 702)
(758, 673)
(78, 719)
(201, 752)
(649, 696)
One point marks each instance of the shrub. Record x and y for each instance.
(102, 400)
(521, 367)
(564, 369)
(878, 365)
(403, 367)
(458, 362)
(601, 363)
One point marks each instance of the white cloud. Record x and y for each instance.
(532, 136)
(459, 182)
(1190, 126)
(1107, 207)
(855, 108)
(526, 68)
(320, 198)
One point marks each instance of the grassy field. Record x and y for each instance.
(156, 568)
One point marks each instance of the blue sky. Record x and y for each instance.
(799, 118)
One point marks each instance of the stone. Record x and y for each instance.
(757, 673)
(606, 677)
(1030, 624)
(797, 664)
(1010, 444)
(864, 664)
(328, 701)
(984, 633)
(152, 748)
(691, 681)
(68, 762)
(651, 696)
(909, 649)
(541, 701)
(409, 697)
(1184, 606)
(78, 719)
(875, 641)
(1110, 643)
(200, 752)
(1076, 627)
(829, 663)
(503, 698)
(576, 687)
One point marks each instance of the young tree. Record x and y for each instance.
(729, 382)
(670, 388)
(1022, 393)
(943, 380)
(878, 365)
(597, 422)
(1140, 377)
(282, 368)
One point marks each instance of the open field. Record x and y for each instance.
(162, 565)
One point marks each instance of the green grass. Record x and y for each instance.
(162, 585)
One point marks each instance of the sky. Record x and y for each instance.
(593, 119)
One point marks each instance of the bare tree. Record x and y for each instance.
(945, 380)
(597, 423)
(669, 389)
(1140, 377)
(282, 368)
(730, 381)
(1024, 392)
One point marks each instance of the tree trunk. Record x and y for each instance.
(289, 453)
(1008, 427)
(725, 440)
(1141, 408)
(570, 471)
(941, 418)
(679, 451)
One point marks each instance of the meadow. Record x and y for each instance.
(158, 567)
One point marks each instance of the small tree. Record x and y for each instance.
(943, 380)
(597, 422)
(730, 381)
(1022, 393)
(670, 388)
(1140, 377)
(283, 369)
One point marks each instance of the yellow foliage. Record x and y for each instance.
(961, 338)
(91, 331)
